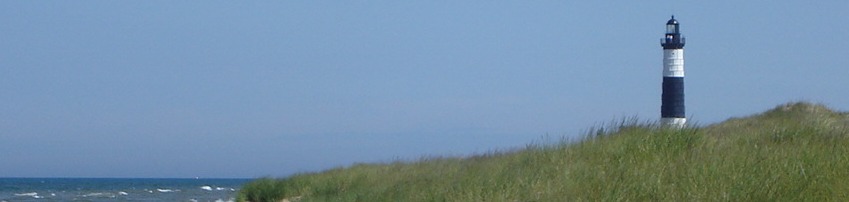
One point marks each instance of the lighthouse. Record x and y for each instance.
(672, 98)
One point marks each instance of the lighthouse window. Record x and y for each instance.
(670, 29)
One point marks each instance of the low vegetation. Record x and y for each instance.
(794, 152)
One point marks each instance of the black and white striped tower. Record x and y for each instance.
(672, 106)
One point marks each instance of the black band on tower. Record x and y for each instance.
(672, 104)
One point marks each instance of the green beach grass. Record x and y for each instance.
(794, 152)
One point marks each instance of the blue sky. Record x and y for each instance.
(249, 89)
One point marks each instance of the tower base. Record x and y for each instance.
(673, 122)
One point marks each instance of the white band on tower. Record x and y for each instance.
(673, 62)
(677, 122)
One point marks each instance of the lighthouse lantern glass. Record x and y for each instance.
(671, 29)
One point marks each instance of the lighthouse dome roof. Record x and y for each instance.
(672, 21)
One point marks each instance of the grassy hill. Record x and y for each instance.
(794, 152)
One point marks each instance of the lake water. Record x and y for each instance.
(118, 189)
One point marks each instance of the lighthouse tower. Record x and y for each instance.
(672, 106)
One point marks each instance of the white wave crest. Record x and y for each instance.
(27, 194)
(210, 188)
(123, 193)
(167, 190)
(30, 194)
(99, 194)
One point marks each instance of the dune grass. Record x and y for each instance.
(794, 152)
